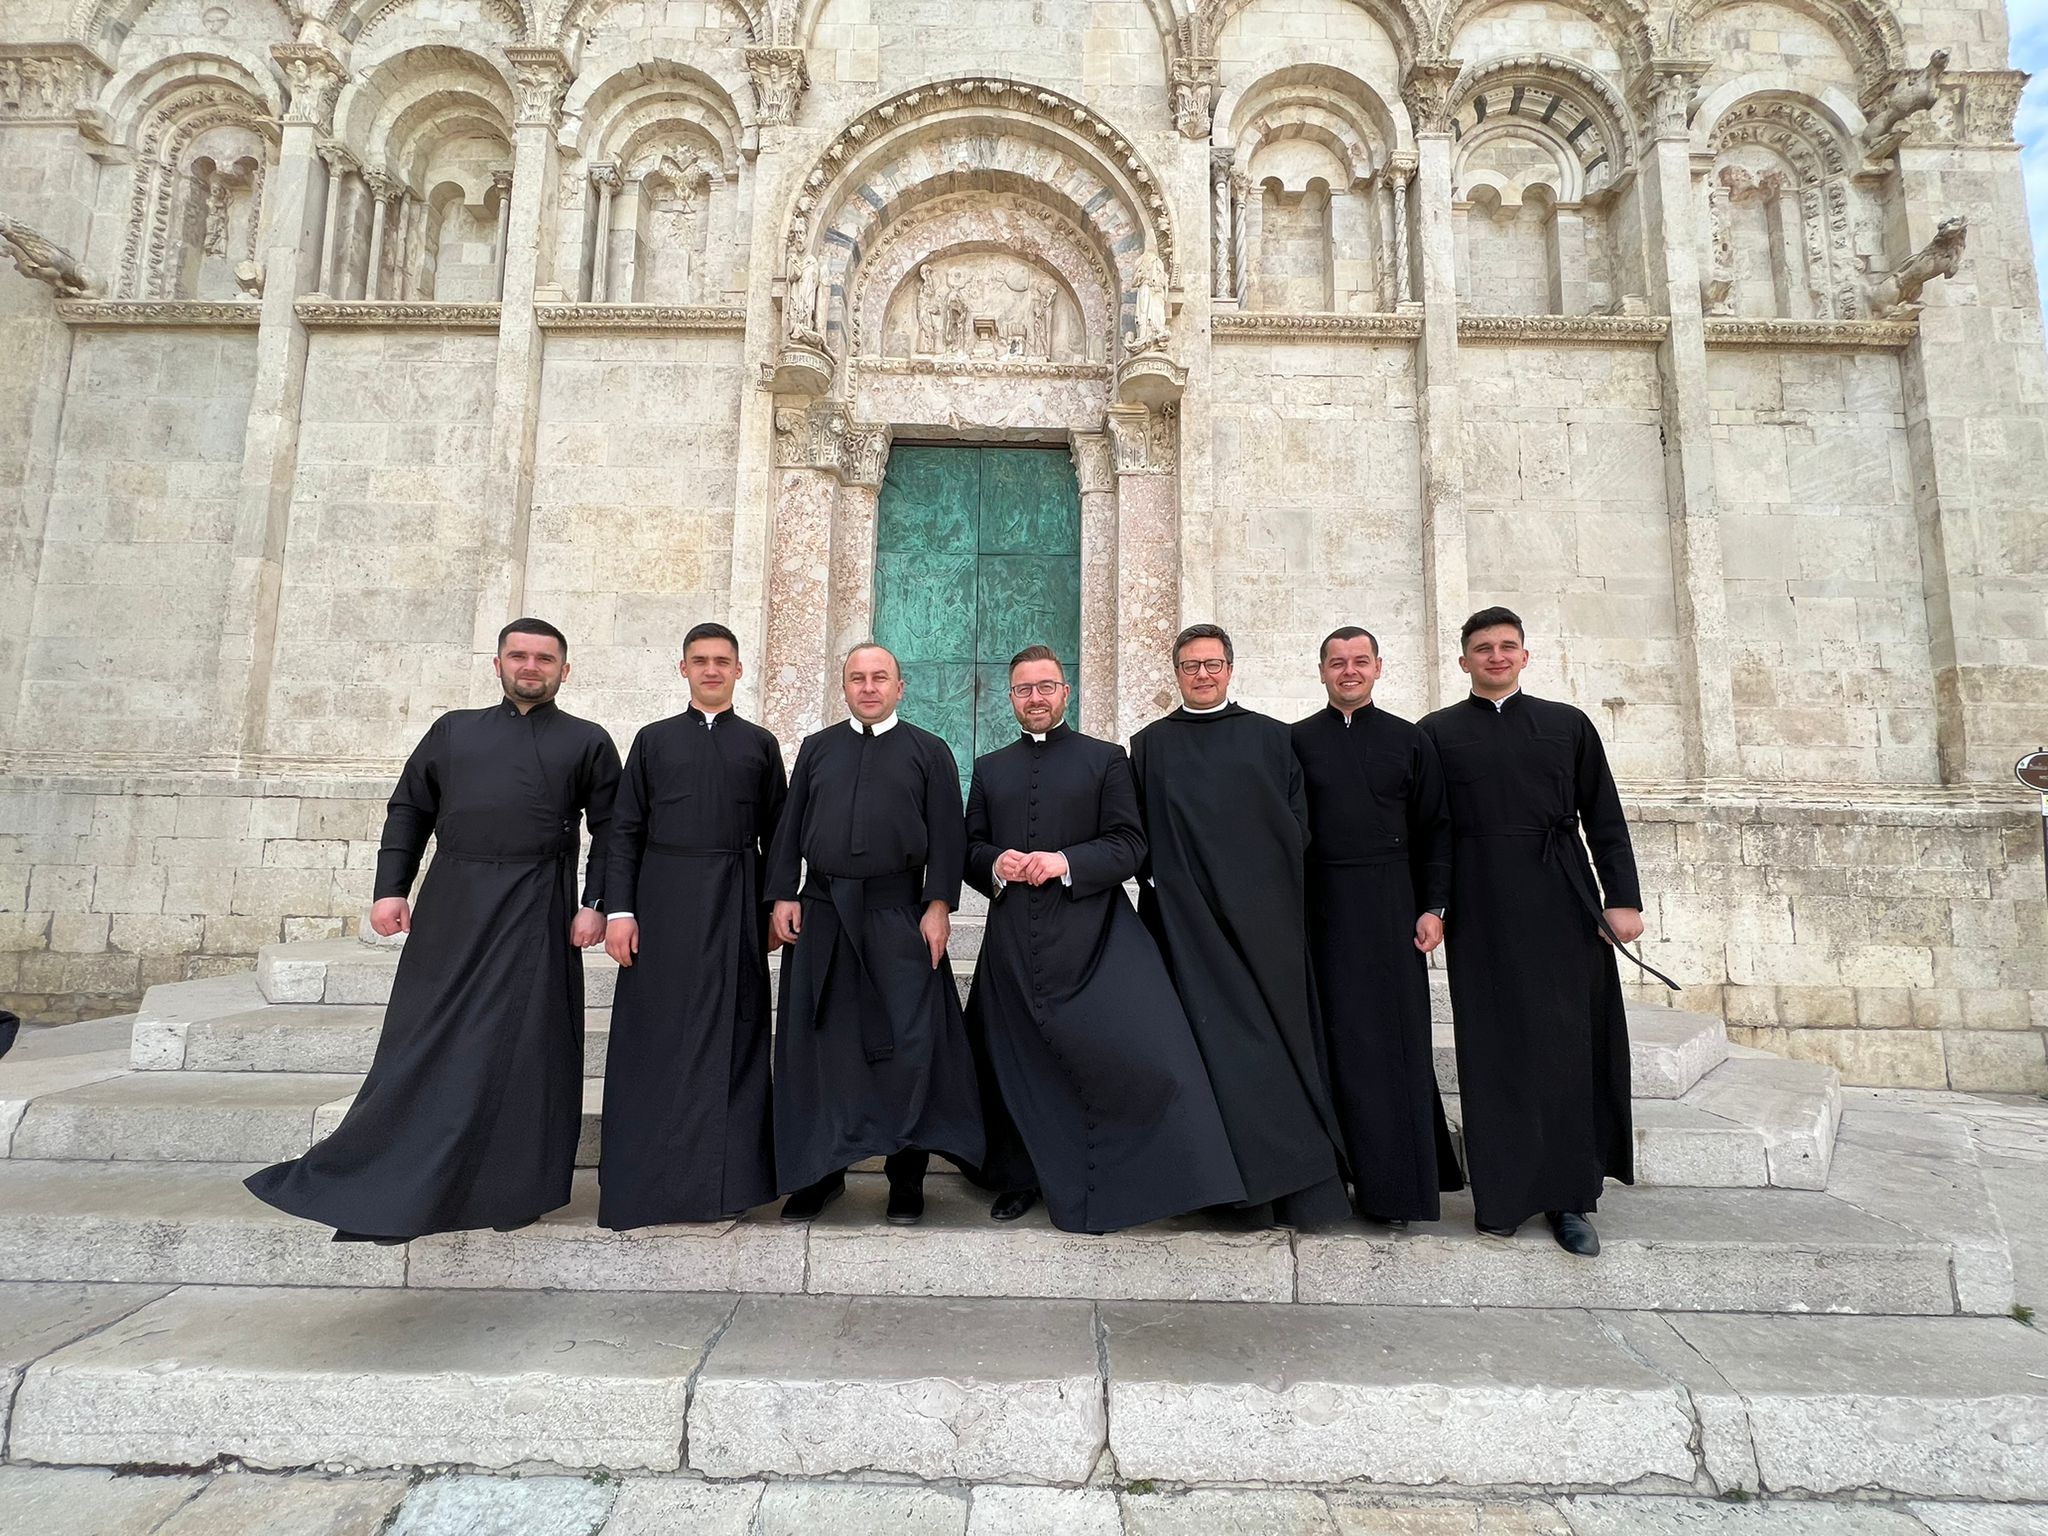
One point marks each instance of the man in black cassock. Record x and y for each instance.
(1226, 823)
(687, 1134)
(871, 1055)
(1091, 1086)
(470, 1114)
(1543, 1060)
(1379, 877)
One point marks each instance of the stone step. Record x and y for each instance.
(1033, 1392)
(1684, 1250)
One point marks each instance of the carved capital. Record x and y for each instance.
(383, 186)
(866, 456)
(780, 76)
(542, 76)
(1665, 91)
(337, 157)
(1144, 442)
(1427, 93)
(502, 181)
(1194, 94)
(1401, 169)
(1094, 462)
(605, 176)
(313, 78)
(48, 82)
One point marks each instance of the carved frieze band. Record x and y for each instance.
(48, 82)
(322, 314)
(1591, 329)
(975, 368)
(1273, 326)
(640, 317)
(1864, 334)
(150, 313)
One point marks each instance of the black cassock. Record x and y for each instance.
(471, 1111)
(871, 1055)
(1226, 823)
(1092, 1088)
(687, 1130)
(1379, 856)
(1543, 1067)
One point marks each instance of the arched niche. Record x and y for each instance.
(1866, 30)
(108, 24)
(575, 24)
(202, 156)
(1404, 23)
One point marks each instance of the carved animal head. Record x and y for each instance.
(1937, 61)
(1946, 248)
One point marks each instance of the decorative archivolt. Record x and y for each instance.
(1314, 101)
(1867, 30)
(172, 191)
(110, 21)
(355, 20)
(1815, 150)
(420, 97)
(1403, 20)
(1568, 109)
(133, 94)
(567, 23)
(393, 26)
(1626, 22)
(602, 110)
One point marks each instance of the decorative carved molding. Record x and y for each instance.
(866, 455)
(1426, 92)
(1822, 161)
(822, 436)
(42, 260)
(1868, 335)
(1977, 107)
(542, 78)
(48, 82)
(975, 368)
(1270, 325)
(1150, 378)
(151, 314)
(1194, 94)
(1584, 329)
(780, 77)
(323, 314)
(641, 317)
(313, 78)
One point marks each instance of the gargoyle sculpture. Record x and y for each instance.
(1895, 295)
(47, 262)
(1905, 96)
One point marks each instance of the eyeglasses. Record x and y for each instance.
(1213, 665)
(1044, 690)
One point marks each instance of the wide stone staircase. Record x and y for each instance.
(1785, 1303)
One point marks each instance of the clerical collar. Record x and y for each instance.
(1500, 704)
(710, 717)
(881, 727)
(1213, 709)
(1041, 737)
(511, 707)
(1339, 713)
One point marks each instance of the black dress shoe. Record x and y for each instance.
(813, 1198)
(1574, 1233)
(1486, 1231)
(906, 1204)
(1012, 1203)
(364, 1237)
(1398, 1223)
(517, 1226)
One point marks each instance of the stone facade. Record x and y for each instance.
(1705, 335)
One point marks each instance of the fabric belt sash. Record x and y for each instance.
(843, 903)
(1382, 856)
(679, 851)
(562, 848)
(1562, 850)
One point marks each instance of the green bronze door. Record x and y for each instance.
(977, 555)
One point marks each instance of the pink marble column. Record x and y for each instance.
(1096, 670)
(797, 670)
(1147, 596)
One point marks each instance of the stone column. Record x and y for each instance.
(1446, 576)
(797, 643)
(1706, 685)
(1240, 239)
(270, 443)
(853, 542)
(385, 191)
(501, 181)
(1402, 169)
(542, 75)
(1148, 556)
(1097, 666)
(340, 166)
(1222, 283)
(605, 178)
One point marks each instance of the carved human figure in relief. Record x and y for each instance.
(800, 308)
(1038, 337)
(1912, 93)
(1148, 331)
(1895, 295)
(959, 314)
(47, 262)
(931, 312)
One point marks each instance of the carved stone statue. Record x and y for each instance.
(800, 309)
(1895, 295)
(1038, 336)
(958, 322)
(47, 262)
(249, 278)
(1906, 95)
(1148, 331)
(931, 312)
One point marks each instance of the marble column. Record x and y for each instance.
(1401, 169)
(297, 201)
(853, 546)
(1446, 575)
(797, 643)
(1706, 683)
(1148, 578)
(385, 191)
(1567, 260)
(542, 75)
(1096, 669)
(605, 179)
(340, 165)
(501, 182)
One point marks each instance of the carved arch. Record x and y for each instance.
(722, 101)
(110, 21)
(354, 19)
(131, 94)
(1559, 102)
(1358, 115)
(1823, 156)
(176, 116)
(1627, 21)
(1404, 21)
(1867, 30)
(420, 97)
(565, 23)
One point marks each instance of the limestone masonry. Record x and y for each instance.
(1706, 337)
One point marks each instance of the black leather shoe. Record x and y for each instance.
(1012, 1203)
(1574, 1233)
(517, 1226)
(364, 1237)
(813, 1198)
(1486, 1231)
(1398, 1223)
(906, 1204)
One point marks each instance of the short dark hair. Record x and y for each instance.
(1489, 618)
(712, 632)
(534, 627)
(1196, 632)
(1346, 632)
(1038, 653)
(869, 645)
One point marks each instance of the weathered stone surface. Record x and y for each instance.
(1681, 1249)
(1203, 1392)
(532, 1506)
(1607, 1515)
(281, 1378)
(301, 1037)
(1679, 1145)
(957, 1251)
(168, 1012)
(998, 1511)
(22, 1082)
(668, 1506)
(1982, 1519)
(246, 1504)
(1670, 1049)
(1954, 1407)
(1795, 1105)
(810, 1509)
(1254, 1512)
(89, 1501)
(38, 1319)
(932, 1388)
(180, 1117)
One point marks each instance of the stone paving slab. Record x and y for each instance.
(259, 1117)
(1410, 1397)
(994, 1389)
(289, 1378)
(36, 1319)
(89, 1501)
(249, 1504)
(531, 1506)
(23, 1082)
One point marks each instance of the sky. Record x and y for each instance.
(2029, 19)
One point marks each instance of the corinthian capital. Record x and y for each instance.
(313, 78)
(1427, 93)
(542, 77)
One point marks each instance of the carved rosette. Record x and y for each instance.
(1427, 93)
(313, 78)
(48, 82)
(780, 77)
(541, 76)
(1194, 94)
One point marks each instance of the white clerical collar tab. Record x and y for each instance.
(1040, 736)
(1213, 709)
(881, 727)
